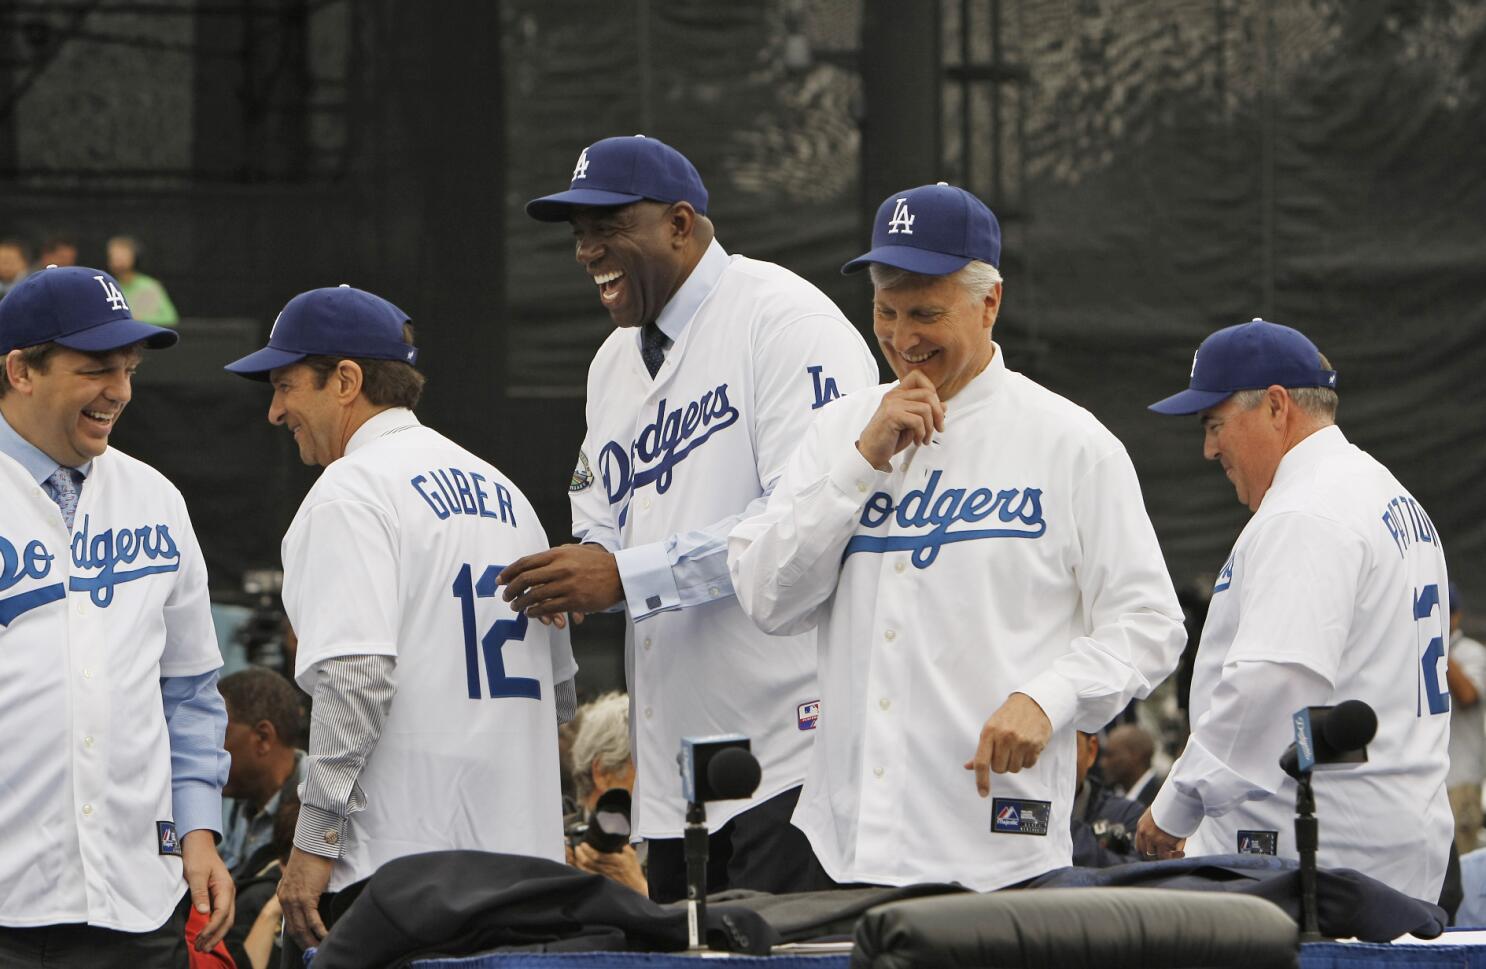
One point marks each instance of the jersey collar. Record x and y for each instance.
(689, 298)
(1307, 454)
(380, 424)
(983, 386)
(36, 462)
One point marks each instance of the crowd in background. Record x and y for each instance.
(146, 294)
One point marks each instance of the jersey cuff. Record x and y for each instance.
(1176, 813)
(319, 832)
(649, 584)
(1056, 696)
(197, 805)
(853, 476)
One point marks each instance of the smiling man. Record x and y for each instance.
(435, 705)
(975, 556)
(1335, 590)
(713, 371)
(113, 770)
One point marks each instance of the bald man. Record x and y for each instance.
(1128, 751)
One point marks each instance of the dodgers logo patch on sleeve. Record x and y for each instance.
(1011, 815)
(165, 834)
(582, 475)
(808, 714)
(1258, 843)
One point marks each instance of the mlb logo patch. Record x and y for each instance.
(165, 834)
(808, 714)
(1258, 842)
(1010, 815)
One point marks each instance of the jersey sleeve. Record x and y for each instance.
(1135, 625)
(190, 637)
(786, 561)
(340, 583)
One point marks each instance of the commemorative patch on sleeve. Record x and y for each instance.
(1011, 815)
(582, 475)
(165, 835)
(1258, 843)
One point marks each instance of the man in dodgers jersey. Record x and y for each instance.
(112, 771)
(969, 546)
(1335, 590)
(715, 367)
(435, 705)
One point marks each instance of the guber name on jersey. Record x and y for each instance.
(1020, 509)
(662, 444)
(451, 491)
(101, 553)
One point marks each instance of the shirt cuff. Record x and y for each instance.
(1056, 696)
(319, 832)
(1176, 813)
(197, 805)
(852, 475)
(649, 585)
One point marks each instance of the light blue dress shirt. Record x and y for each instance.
(195, 714)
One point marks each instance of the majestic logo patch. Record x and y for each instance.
(1019, 510)
(112, 294)
(1011, 815)
(825, 387)
(1225, 577)
(582, 475)
(1258, 843)
(901, 220)
(664, 443)
(808, 714)
(165, 835)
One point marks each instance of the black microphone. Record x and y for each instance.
(1339, 733)
(733, 772)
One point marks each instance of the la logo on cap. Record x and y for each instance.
(581, 169)
(112, 294)
(901, 220)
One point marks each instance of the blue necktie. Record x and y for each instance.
(653, 345)
(64, 486)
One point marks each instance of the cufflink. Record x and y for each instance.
(332, 836)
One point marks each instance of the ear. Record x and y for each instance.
(265, 733)
(991, 308)
(682, 219)
(17, 372)
(348, 381)
(1277, 399)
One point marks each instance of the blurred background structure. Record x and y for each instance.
(1161, 168)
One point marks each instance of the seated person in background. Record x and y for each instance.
(264, 723)
(602, 762)
(12, 264)
(1103, 824)
(1127, 763)
(145, 295)
(57, 251)
(254, 939)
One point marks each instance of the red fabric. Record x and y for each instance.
(217, 958)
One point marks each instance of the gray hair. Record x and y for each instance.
(603, 736)
(978, 278)
(1319, 403)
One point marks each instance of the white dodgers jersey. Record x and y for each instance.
(1341, 571)
(691, 449)
(395, 552)
(89, 623)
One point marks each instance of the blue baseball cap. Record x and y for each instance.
(1248, 356)
(934, 230)
(337, 321)
(618, 171)
(75, 307)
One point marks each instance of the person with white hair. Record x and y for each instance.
(602, 762)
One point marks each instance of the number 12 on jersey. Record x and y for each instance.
(1427, 606)
(502, 631)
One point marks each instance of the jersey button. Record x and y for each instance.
(862, 487)
(877, 771)
(87, 672)
(899, 566)
(88, 742)
(884, 703)
(645, 503)
(647, 642)
(714, 592)
(87, 810)
(648, 713)
(79, 608)
(890, 635)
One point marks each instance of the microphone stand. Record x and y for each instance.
(1307, 840)
(695, 845)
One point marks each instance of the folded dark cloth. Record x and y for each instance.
(1349, 903)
